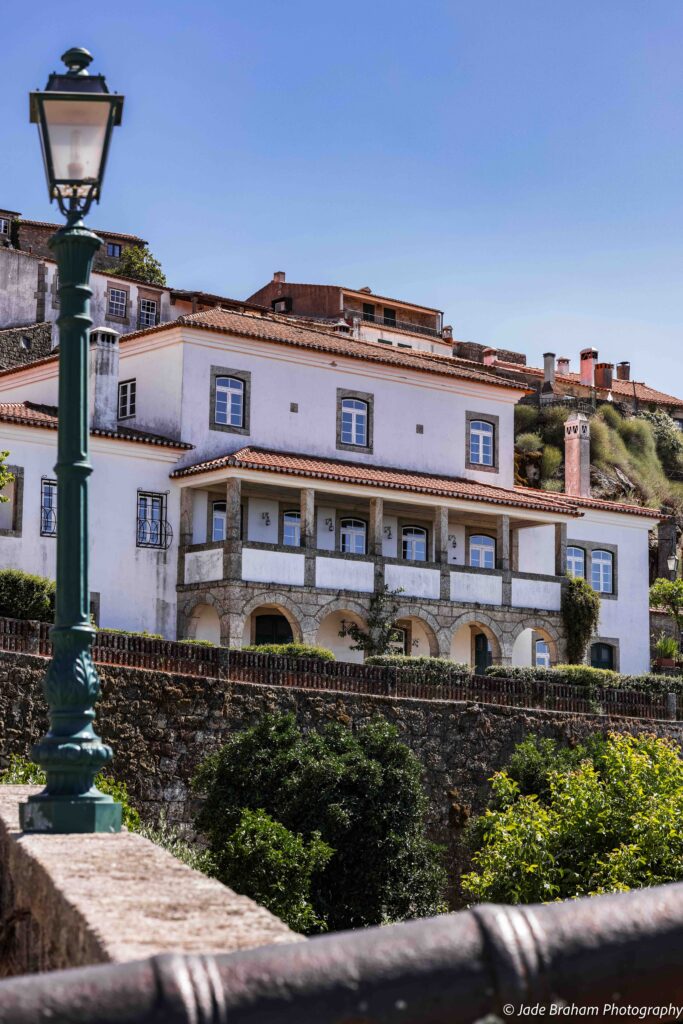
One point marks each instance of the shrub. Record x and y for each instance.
(553, 485)
(668, 440)
(526, 418)
(23, 596)
(580, 616)
(293, 650)
(668, 594)
(612, 417)
(666, 646)
(610, 823)
(379, 632)
(422, 669)
(171, 839)
(551, 460)
(600, 441)
(528, 443)
(552, 423)
(638, 438)
(130, 632)
(22, 772)
(198, 643)
(264, 860)
(360, 791)
(138, 262)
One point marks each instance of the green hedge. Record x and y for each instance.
(420, 669)
(293, 651)
(23, 596)
(584, 675)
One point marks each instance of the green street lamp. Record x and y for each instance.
(75, 115)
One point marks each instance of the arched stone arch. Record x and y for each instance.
(341, 605)
(428, 623)
(328, 624)
(487, 625)
(187, 613)
(546, 629)
(277, 602)
(204, 623)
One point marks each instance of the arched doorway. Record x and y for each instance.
(328, 635)
(475, 644)
(205, 624)
(534, 647)
(272, 628)
(483, 654)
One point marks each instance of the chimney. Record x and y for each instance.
(279, 277)
(447, 333)
(577, 456)
(562, 364)
(548, 371)
(603, 375)
(489, 356)
(341, 326)
(623, 371)
(589, 358)
(104, 378)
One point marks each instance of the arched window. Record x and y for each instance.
(414, 543)
(482, 552)
(481, 443)
(218, 515)
(601, 571)
(576, 561)
(542, 654)
(602, 656)
(229, 408)
(354, 422)
(352, 536)
(291, 529)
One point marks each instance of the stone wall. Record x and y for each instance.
(19, 345)
(162, 725)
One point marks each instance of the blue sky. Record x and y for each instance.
(517, 163)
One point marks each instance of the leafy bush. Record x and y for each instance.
(552, 423)
(551, 460)
(600, 441)
(668, 439)
(610, 823)
(528, 443)
(580, 616)
(422, 669)
(293, 650)
(666, 646)
(174, 842)
(22, 772)
(138, 262)
(23, 596)
(360, 791)
(612, 417)
(526, 418)
(668, 594)
(198, 643)
(535, 758)
(130, 632)
(379, 632)
(583, 675)
(638, 438)
(264, 860)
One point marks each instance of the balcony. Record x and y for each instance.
(385, 321)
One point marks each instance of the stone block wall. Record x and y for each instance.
(19, 345)
(162, 725)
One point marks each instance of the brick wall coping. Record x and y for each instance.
(82, 899)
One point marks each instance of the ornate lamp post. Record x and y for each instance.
(672, 564)
(75, 115)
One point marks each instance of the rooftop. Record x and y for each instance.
(33, 415)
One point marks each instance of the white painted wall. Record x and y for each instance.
(475, 588)
(343, 574)
(262, 520)
(326, 528)
(202, 566)
(537, 549)
(272, 567)
(136, 585)
(536, 594)
(328, 636)
(414, 582)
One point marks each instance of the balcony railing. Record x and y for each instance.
(384, 321)
(154, 533)
(48, 522)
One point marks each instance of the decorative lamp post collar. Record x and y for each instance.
(75, 117)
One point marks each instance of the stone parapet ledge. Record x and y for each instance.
(73, 900)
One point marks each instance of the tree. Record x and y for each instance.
(25, 596)
(359, 792)
(381, 632)
(668, 594)
(138, 262)
(5, 476)
(606, 817)
(580, 616)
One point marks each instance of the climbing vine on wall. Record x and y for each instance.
(580, 616)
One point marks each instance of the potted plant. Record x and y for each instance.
(666, 651)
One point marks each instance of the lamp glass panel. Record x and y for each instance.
(77, 131)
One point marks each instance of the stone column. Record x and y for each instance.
(185, 537)
(503, 542)
(560, 549)
(232, 547)
(308, 534)
(441, 550)
(375, 537)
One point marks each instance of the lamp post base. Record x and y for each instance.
(53, 814)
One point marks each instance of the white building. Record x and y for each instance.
(259, 479)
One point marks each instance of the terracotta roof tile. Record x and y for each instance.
(643, 392)
(32, 415)
(100, 231)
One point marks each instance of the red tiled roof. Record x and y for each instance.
(643, 392)
(98, 231)
(407, 480)
(283, 331)
(32, 415)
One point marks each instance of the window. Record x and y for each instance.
(48, 508)
(291, 529)
(113, 249)
(414, 543)
(148, 313)
(229, 402)
(368, 311)
(117, 302)
(354, 422)
(601, 571)
(399, 644)
(127, 389)
(482, 552)
(26, 343)
(4, 226)
(481, 443)
(389, 317)
(283, 305)
(352, 537)
(152, 529)
(576, 561)
(218, 520)
(602, 656)
(542, 652)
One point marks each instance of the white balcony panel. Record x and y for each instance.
(413, 581)
(476, 588)
(272, 567)
(545, 594)
(201, 566)
(343, 574)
